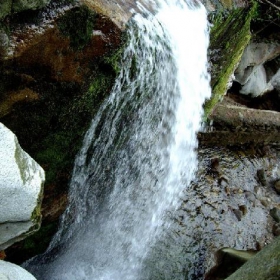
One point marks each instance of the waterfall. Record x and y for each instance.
(139, 153)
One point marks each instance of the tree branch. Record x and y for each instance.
(273, 5)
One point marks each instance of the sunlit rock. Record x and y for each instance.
(21, 183)
(10, 271)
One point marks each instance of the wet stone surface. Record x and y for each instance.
(227, 206)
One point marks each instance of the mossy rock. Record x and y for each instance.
(229, 36)
(77, 25)
(264, 265)
(21, 5)
(5, 8)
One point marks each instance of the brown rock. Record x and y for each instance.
(277, 186)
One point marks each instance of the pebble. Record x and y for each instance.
(262, 177)
(238, 214)
(275, 214)
(277, 186)
(276, 229)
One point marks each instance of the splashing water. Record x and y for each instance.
(139, 153)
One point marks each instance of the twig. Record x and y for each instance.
(273, 5)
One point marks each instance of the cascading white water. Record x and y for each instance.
(139, 153)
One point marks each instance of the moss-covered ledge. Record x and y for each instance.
(265, 265)
(230, 34)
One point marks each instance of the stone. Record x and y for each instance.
(10, 271)
(21, 188)
(277, 186)
(276, 229)
(264, 265)
(262, 176)
(275, 214)
(228, 260)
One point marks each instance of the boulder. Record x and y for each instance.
(264, 265)
(10, 271)
(21, 187)
(275, 214)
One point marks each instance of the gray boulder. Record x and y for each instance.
(21, 188)
(10, 271)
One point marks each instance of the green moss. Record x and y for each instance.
(229, 36)
(5, 8)
(114, 58)
(77, 25)
(264, 265)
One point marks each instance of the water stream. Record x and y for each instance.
(139, 153)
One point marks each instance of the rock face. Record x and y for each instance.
(21, 183)
(9, 271)
(57, 65)
(265, 265)
(225, 56)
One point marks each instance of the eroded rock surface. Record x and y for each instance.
(21, 187)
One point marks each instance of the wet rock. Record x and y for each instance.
(228, 260)
(276, 229)
(264, 265)
(238, 213)
(277, 186)
(250, 196)
(14, 272)
(243, 209)
(275, 214)
(262, 176)
(225, 57)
